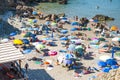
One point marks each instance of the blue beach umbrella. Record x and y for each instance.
(102, 64)
(64, 18)
(71, 47)
(47, 23)
(34, 21)
(25, 41)
(64, 31)
(114, 66)
(68, 61)
(73, 29)
(33, 35)
(30, 29)
(36, 29)
(116, 48)
(74, 23)
(96, 21)
(13, 34)
(34, 13)
(63, 38)
(106, 69)
(26, 51)
(111, 62)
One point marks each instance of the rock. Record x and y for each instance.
(112, 75)
(62, 1)
(103, 18)
(61, 15)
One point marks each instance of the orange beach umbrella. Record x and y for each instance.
(114, 28)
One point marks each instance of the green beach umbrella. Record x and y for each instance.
(117, 53)
(101, 39)
(39, 46)
(79, 47)
(53, 24)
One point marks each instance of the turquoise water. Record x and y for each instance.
(86, 8)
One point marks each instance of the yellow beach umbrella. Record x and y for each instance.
(18, 41)
(114, 28)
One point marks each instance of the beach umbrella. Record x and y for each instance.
(52, 53)
(64, 31)
(13, 34)
(102, 64)
(53, 24)
(35, 29)
(96, 21)
(4, 40)
(33, 35)
(106, 69)
(101, 39)
(117, 53)
(89, 29)
(78, 42)
(116, 39)
(67, 61)
(28, 34)
(71, 47)
(79, 47)
(104, 57)
(17, 41)
(69, 56)
(73, 29)
(25, 41)
(94, 38)
(72, 37)
(111, 62)
(34, 21)
(116, 48)
(98, 30)
(34, 13)
(114, 28)
(47, 23)
(63, 38)
(102, 44)
(30, 29)
(30, 21)
(91, 20)
(26, 51)
(39, 46)
(74, 23)
(114, 66)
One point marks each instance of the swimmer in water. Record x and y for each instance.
(97, 7)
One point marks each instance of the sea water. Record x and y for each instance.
(86, 8)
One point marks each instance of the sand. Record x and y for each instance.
(37, 72)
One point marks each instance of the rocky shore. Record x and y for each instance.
(112, 75)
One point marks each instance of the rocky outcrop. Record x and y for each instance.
(112, 75)
(103, 18)
(62, 1)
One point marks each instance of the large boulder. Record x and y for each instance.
(61, 15)
(103, 18)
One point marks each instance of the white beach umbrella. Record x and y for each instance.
(91, 20)
(104, 57)
(4, 40)
(98, 30)
(116, 39)
(102, 44)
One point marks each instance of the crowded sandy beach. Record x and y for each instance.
(61, 48)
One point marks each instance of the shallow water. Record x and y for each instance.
(86, 8)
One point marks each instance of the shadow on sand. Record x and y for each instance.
(38, 74)
(6, 29)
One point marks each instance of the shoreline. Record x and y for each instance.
(58, 72)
